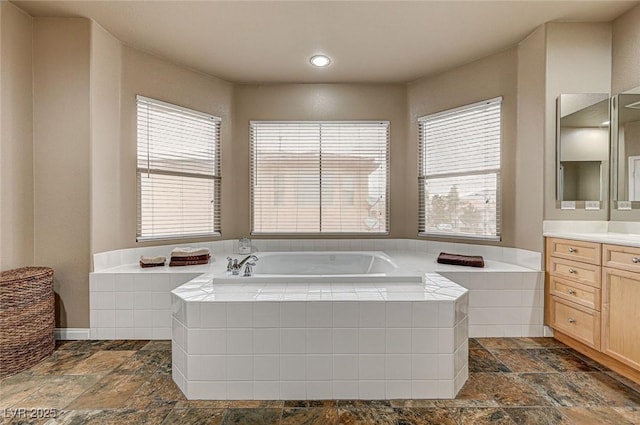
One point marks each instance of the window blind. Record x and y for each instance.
(178, 171)
(459, 171)
(319, 177)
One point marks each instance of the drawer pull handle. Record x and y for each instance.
(572, 271)
(572, 250)
(571, 292)
(635, 259)
(572, 320)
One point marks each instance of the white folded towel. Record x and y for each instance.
(152, 260)
(189, 252)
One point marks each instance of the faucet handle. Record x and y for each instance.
(248, 270)
(229, 263)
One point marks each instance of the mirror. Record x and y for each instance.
(626, 132)
(583, 147)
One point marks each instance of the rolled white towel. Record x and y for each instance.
(152, 260)
(189, 252)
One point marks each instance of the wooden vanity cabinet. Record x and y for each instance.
(592, 294)
(621, 304)
(573, 288)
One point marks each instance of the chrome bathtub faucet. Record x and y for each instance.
(234, 266)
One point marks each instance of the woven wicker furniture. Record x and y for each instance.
(26, 318)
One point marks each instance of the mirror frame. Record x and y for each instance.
(605, 186)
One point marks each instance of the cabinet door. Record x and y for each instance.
(621, 315)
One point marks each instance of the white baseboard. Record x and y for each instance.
(71, 333)
(547, 331)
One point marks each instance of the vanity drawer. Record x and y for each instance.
(578, 293)
(587, 252)
(621, 257)
(586, 274)
(576, 321)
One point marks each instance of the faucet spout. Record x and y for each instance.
(247, 258)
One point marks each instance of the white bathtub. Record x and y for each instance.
(323, 267)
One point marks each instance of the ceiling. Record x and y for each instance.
(368, 41)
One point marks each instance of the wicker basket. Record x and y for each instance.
(26, 318)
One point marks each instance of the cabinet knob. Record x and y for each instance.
(572, 271)
(635, 259)
(572, 320)
(571, 292)
(572, 250)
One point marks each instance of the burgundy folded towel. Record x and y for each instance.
(192, 258)
(146, 266)
(461, 260)
(175, 263)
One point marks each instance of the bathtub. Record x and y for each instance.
(247, 338)
(322, 267)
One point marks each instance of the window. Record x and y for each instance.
(178, 171)
(334, 177)
(459, 171)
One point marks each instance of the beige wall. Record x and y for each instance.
(318, 102)
(578, 60)
(62, 161)
(484, 79)
(106, 71)
(529, 160)
(625, 74)
(150, 76)
(625, 64)
(16, 134)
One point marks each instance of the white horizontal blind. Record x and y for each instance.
(178, 171)
(319, 177)
(459, 171)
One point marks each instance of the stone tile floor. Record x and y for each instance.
(512, 381)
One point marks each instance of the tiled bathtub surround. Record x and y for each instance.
(505, 297)
(358, 341)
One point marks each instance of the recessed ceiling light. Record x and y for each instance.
(320, 61)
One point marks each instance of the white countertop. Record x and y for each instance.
(607, 237)
(434, 288)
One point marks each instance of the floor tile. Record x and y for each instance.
(160, 345)
(158, 391)
(498, 343)
(509, 389)
(522, 360)
(511, 381)
(255, 404)
(111, 392)
(203, 404)
(473, 343)
(191, 416)
(365, 404)
(608, 390)
(252, 416)
(413, 403)
(60, 362)
(562, 389)
(425, 416)
(593, 416)
(57, 391)
(366, 416)
(144, 362)
(100, 363)
(539, 342)
(563, 360)
(536, 416)
(631, 414)
(17, 387)
(309, 416)
(310, 403)
(482, 416)
(484, 361)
